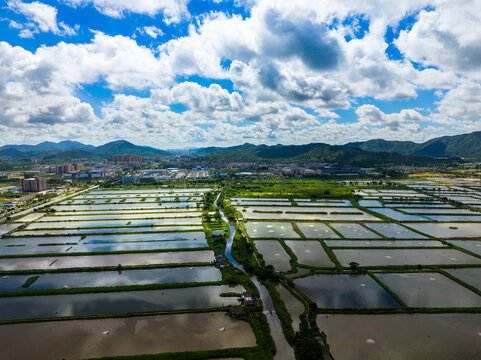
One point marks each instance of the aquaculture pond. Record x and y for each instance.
(120, 212)
(439, 211)
(473, 218)
(396, 215)
(274, 254)
(370, 203)
(402, 336)
(108, 230)
(304, 213)
(264, 229)
(114, 223)
(421, 205)
(310, 252)
(316, 231)
(429, 290)
(124, 206)
(112, 278)
(149, 191)
(381, 257)
(109, 216)
(384, 243)
(471, 276)
(471, 245)
(396, 231)
(124, 336)
(66, 262)
(449, 230)
(30, 217)
(5, 228)
(260, 203)
(47, 306)
(354, 231)
(345, 291)
(293, 305)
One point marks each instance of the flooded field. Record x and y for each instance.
(345, 291)
(449, 230)
(118, 247)
(109, 216)
(474, 218)
(81, 339)
(274, 254)
(310, 252)
(293, 305)
(402, 336)
(471, 276)
(107, 230)
(65, 262)
(124, 206)
(429, 290)
(30, 217)
(264, 229)
(376, 257)
(114, 223)
(45, 306)
(439, 211)
(399, 216)
(5, 228)
(354, 231)
(471, 245)
(120, 212)
(112, 278)
(305, 213)
(394, 231)
(384, 243)
(317, 231)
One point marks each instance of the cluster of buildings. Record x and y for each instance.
(53, 169)
(171, 173)
(35, 184)
(128, 160)
(320, 169)
(99, 171)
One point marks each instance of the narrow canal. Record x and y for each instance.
(284, 350)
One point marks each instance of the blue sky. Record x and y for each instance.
(182, 73)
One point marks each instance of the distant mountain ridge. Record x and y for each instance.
(68, 150)
(465, 146)
(309, 153)
(49, 146)
(367, 153)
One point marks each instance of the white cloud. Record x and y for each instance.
(446, 37)
(463, 101)
(41, 17)
(152, 31)
(371, 115)
(173, 10)
(289, 64)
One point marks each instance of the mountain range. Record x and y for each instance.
(308, 153)
(68, 150)
(466, 146)
(367, 153)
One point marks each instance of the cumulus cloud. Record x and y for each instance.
(152, 31)
(290, 66)
(173, 10)
(41, 17)
(371, 115)
(446, 37)
(463, 101)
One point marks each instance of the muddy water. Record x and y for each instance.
(403, 336)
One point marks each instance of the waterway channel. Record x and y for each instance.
(284, 350)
